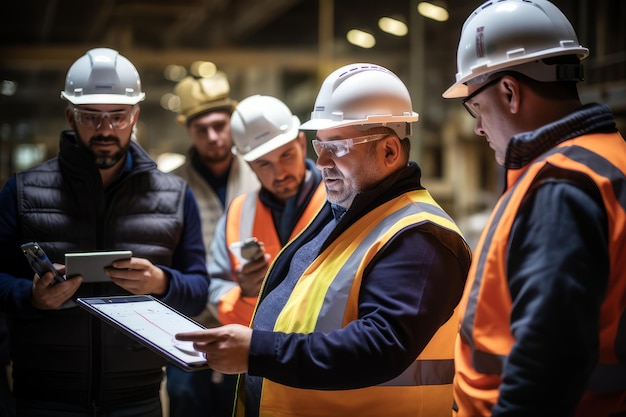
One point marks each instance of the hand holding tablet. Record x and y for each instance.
(91, 264)
(150, 322)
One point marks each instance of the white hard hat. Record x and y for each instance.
(362, 95)
(516, 35)
(102, 76)
(199, 96)
(260, 124)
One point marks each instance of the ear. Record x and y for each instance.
(69, 116)
(137, 114)
(302, 141)
(136, 117)
(513, 92)
(392, 150)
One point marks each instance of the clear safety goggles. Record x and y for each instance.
(341, 147)
(120, 119)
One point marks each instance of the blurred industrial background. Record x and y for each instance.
(283, 48)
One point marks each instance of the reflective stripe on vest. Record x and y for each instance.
(594, 156)
(248, 217)
(326, 298)
(309, 307)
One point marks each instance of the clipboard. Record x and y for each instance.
(150, 322)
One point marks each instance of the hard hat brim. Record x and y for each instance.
(324, 124)
(188, 115)
(103, 99)
(459, 89)
(272, 144)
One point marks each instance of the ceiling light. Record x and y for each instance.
(203, 69)
(393, 26)
(8, 87)
(174, 72)
(169, 161)
(360, 38)
(432, 11)
(170, 102)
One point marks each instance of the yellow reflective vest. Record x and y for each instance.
(326, 298)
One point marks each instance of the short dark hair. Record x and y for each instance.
(560, 90)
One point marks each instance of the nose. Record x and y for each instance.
(212, 133)
(478, 129)
(280, 172)
(102, 125)
(324, 160)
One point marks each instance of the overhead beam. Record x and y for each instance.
(59, 58)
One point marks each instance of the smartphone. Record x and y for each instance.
(251, 249)
(39, 261)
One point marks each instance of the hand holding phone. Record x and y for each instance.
(251, 249)
(39, 261)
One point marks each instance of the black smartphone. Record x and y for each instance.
(39, 261)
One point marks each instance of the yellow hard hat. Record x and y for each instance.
(203, 95)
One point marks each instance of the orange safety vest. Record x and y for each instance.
(248, 217)
(485, 338)
(326, 298)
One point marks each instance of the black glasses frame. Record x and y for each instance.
(467, 106)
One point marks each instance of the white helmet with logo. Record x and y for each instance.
(260, 124)
(516, 35)
(365, 95)
(102, 76)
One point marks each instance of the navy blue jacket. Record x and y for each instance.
(82, 371)
(403, 301)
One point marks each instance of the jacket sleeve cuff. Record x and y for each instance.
(262, 355)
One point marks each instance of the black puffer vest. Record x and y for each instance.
(66, 355)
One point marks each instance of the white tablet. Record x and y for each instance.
(150, 322)
(91, 264)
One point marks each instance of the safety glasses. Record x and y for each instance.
(473, 110)
(341, 147)
(120, 119)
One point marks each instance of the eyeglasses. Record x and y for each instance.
(93, 119)
(341, 147)
(473, 111)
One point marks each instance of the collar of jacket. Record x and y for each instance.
(590, 118)
(76, 160)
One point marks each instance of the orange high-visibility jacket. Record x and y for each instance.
(485, 338)
(248, 217)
